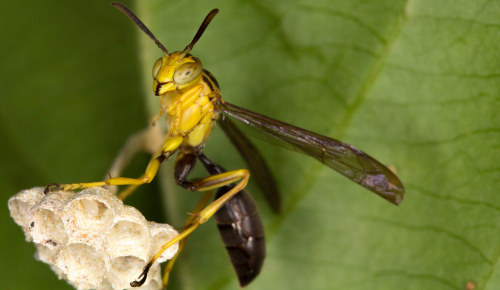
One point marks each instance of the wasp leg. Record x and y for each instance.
(168, 269)
(183, 166)
(170, 146)
(147, 140)
(122, 195)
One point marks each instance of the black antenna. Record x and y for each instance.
(202, 28)
(139, 23)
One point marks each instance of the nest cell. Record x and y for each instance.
(129, 235)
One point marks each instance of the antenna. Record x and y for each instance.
(141, 25)
(200, 31)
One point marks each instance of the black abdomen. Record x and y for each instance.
(240, 228)
(242, 232)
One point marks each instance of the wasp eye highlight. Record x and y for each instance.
(157, 67)
(187, 72)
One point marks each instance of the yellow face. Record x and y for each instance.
(175, 72)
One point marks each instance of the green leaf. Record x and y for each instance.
(71, 95)
(413, 83)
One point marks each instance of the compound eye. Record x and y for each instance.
(157, 67)
(187, 72)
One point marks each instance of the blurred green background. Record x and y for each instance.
(414, 83)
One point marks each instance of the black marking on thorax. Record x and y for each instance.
(210, 80)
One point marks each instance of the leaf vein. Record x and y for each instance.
(434, 229)
(465, 201)
(344, 15)
(422, 276)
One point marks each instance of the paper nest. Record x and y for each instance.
(90, 238)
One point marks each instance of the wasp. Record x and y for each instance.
(191, 103)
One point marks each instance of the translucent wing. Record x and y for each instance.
(343, 158)
(257, 164)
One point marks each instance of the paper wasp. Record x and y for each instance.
(191, 101)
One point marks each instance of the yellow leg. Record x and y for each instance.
(147, 140)
(209, 183)
(122, 195)
(168, 269)
(170, 146)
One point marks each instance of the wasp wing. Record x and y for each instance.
(343, 158)
(257, 164)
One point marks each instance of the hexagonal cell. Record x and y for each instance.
(82, 264)
(153, 282)
(21, 203)
(92, 211)
(46, 226)
(105, 285)
(47, 229)
(125, 270)
(129, 235)
(161, 234)
(154, 279)
(46, 255)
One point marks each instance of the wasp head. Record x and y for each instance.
(174, 72)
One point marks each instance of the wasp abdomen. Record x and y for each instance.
(242, 232)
